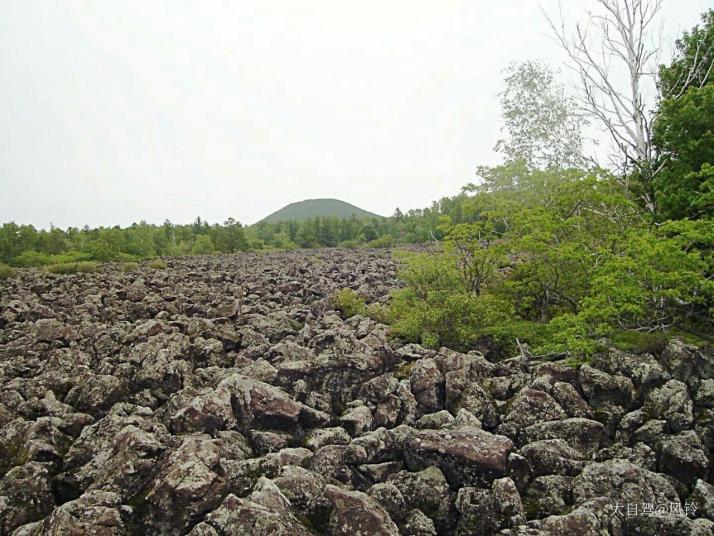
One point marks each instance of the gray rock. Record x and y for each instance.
(671, 402)
(583, 434)
(466, 456)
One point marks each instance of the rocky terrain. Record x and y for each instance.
(226, 396)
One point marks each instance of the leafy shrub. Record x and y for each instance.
(84, 267)
(506, 336)
(349, 303)
(351, 244)
(203, 245)
(386, 241)
(6, 271)
(640, 342)
(435, 308)
(157, 264)
(130, 266)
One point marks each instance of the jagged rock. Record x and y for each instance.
(671, 402)
(427, 491)
(99, 394)
(488, 511)
(602, 388)
(427, 384)
(96, 512)
(623, 482)
(189, 484)
(417, 524)
(531, 406)
(357, 420)
(390, 498)
(305, 491)
(440, 419)
(265, 512)
(549, 495)
(330, 461)
(258, 404)
(49, 330)
(320, 437)
(686, 363)
(705, 394)
(357, 514)
(583, 434)
(703, 499)
(466, 456)
(205, 413)
(570, 400)
(553, 457)
(640, 454)
(683, 457)
(643, 370)
(477, 401)
(25, 496)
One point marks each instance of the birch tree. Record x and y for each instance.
(543, 124)
(615, 54)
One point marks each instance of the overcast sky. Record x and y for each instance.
(117, 111)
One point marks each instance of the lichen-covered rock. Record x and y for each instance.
(427, 385)
(96, 512)
(671, 402)
(427, 491)
(549, 495)
(465, 456)
(189, 484)
(25, 496)
(622, 482)
(683, 456)
(531, 406)
(583, 434)
(417, 524)
(553, 457)
(357, 514)
(602, 388)
(702, 498)
(265, 512)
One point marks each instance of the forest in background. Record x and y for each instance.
(549, 247)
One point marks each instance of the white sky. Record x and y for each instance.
(117, 111)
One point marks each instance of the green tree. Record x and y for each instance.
(684, 128)
(203, 245)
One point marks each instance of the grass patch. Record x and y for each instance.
(6, 272)
(157, 264)
(83, 267)
(349, 303)
(130, 266)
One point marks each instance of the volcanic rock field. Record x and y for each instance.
(225, 396)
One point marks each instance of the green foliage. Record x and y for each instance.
(157, 264)
(130, 266)
(436, 309)
(203, 245)
(29, 259)
(683, 132)
(6, 272)
(385, 241)
(507, 335)
(84, 267)
(349, 303)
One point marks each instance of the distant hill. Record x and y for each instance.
(318, 208)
